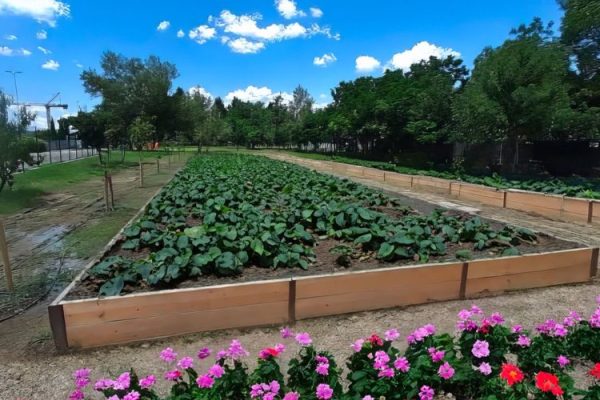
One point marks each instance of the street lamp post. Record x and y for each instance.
(14, 74)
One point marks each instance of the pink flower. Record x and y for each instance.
(391, 335)
(402, 364)
(173, 375)
(236, 351)
(485, 368)
(133, 395)
(324, 392)
(436, 355)
(185, 363)
(322, 369)
(464, 315)
(381, 360)
(286, 332)
(113, 397)
(496, 319)
(572, 319)
(122, 382)
(481, 349)
(274, 386)
(386, 372)
(77, 394)
(203, 353)
(523, 341)
(368, 397)
(357, 345)
(103, 384)
(205, 381)
(563, 361)
(221, 355)
(516, 329)
(148, 382)
(446, 371)
(82, 377)
(256, 390)
(303, 339)
(476, 310)
(216, 371)
(168, 355)
(291, 396)
(426, 393)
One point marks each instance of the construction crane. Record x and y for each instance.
(48, 106)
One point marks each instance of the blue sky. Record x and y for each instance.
(252, 49)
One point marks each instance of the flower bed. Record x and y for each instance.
(484, 359)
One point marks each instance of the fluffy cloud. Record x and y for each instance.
(247, 26)
(288, 9)
(366, 64)
(325, 60)
(316, 12)
(180, 33)
(44, 50)
(79, 65)
(244, 46)
(51, 65)
(7, 52)
(199, 90)
(163, 26)
(10, 37)
(420, 51)
(42, 35)
(201, 34)
(255, 94)
(47, 11)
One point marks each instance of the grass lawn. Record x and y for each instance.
(29, 186)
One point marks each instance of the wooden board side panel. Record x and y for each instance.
(529, 271)
(432, 184)
(482, 194)
(354, 170)
(98, 311)
(596, 212)
(339, 294)
(550, 206)
(400, 180)
(576, 209)
(373, 173)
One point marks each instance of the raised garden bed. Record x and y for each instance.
(237, 241)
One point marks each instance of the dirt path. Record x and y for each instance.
(45, 256)
(39, 373)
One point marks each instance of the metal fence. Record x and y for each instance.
(58, 151)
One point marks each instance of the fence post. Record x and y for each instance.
(4, 250)
(158, 166)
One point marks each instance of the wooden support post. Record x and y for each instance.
(594, 263)
(112, 193)
(157, 166)
(292, 301)
(590, 211)
(141, 175)
(58, 326)
(4, 250)
(106, 198)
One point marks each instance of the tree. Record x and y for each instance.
(91, 128)
(517, 91)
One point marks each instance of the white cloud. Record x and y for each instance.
(244, 46)
(10, 37)
(320, 106)
(367, 64)
(6, 51)
(199, 90)
(225, 39)
(256, 94)
(180, 33)
(201, 34)
(288, 9)
(163, 26)
(44, 50)
(420, 51)
(47, 11)
(51, 65)
(78, 65)
(316, 12)
(247, 26)
(325, 60)
(42, 35)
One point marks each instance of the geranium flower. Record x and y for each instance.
(516, 329)
(77, 394)
(133, 395)
(426, 393)
(205, 381)
(203, 353)
(216, 371)
(357, 345)
(324, 392)
(375, 340)
(368, 397)
(485, 368)
(185, 363)
(303, 339)
(286, 332)
(595, 372)
(446, 371)
(511, 374)
(236, 350)
(391, 335)
(563, 361)
(82, 377)
(402, 364)
(523, 341)
(122, 382)
(548, 382)
(168, 355)
(147, 382)
(481, 348)
(386, 372)
(436, 355)
(103, 384)
(269, 352)
(173, 375)
(291, 396)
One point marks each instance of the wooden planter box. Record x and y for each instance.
(596, 212)
(137, 317)
(436, 185)
(482, 194)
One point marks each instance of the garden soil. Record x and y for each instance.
(31, 369)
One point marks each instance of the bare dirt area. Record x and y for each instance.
(51, 243)
(31, 369)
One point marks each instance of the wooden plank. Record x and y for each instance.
(537, 203)
(373, 173)
(144, 305)
(354, 170)
(575, 209)
(596, 212)
(431, 184)
(528, 271)
(399, 180)
(594, 263)
(176, 323)
(482, 194)
(58, 327)
(292, 301)
(370, 290)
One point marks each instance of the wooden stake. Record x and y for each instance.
(106, 199)
(5, 260)
(112, 193)
(141, 175)
(157, 166)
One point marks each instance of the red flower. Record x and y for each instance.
(511, 374)
(268, 352)
(595, 372)
(548, 382)
(375, 340)
(485, 328)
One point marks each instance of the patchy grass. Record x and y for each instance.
(31, 185)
